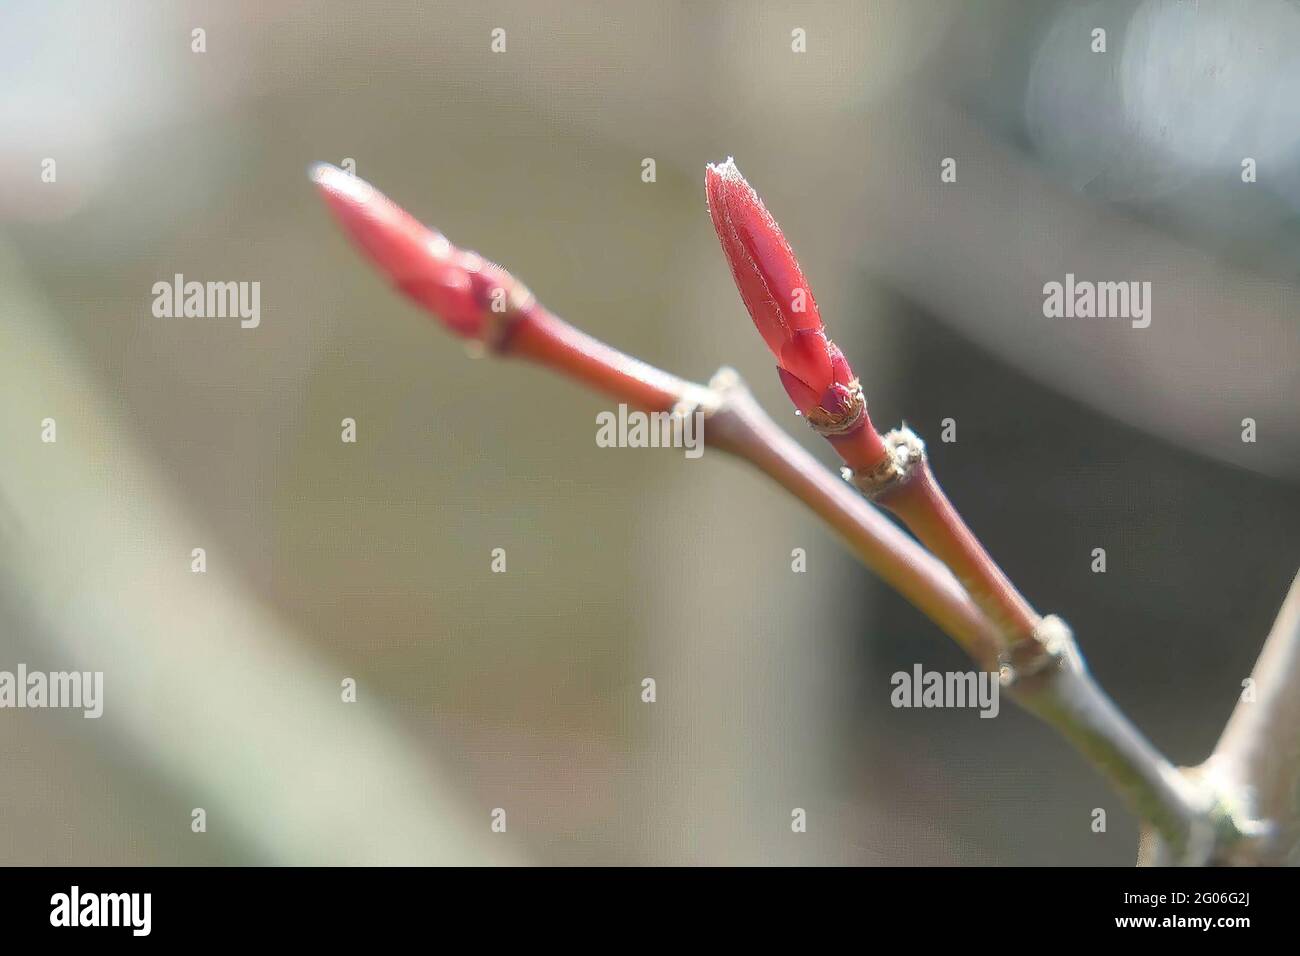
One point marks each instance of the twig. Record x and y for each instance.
(426, 267)
(1036, 657)
(740, 427)
(891, 469)
(1044, 674)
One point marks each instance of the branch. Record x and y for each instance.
(1039, 661)
(1054, 684)
(977, 606)
(1045, 674)
(890, 469)
(739, 426)
(462, 290)
(1258, 756)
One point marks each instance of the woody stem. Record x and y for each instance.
(921, 504)
(1043, 670)
(999, 631)
(740, 427)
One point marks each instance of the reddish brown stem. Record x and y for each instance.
(921, 504)
(548, 340)
(740, 427)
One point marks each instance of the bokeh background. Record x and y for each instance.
(522, 690)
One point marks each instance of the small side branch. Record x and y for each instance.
(913, 493)
(741, 427)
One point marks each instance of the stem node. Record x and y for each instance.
(905, 451)
(1051, 648)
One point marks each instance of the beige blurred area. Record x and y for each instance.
(371, 561)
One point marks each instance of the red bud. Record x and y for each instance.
(813, 371)
(462, 288)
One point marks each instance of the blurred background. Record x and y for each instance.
(522, 690)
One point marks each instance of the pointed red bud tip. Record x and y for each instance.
(773, 287)
(464, 290)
